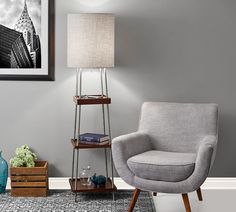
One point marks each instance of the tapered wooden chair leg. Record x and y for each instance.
(186, 202)
(154, 193)
(134, 199)
(199, 194)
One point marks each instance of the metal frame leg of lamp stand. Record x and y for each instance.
(104, 120)
(75, 124)
(76, 174)
(78, 92)
(109, 130)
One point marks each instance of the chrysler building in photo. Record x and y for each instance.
(25, 26)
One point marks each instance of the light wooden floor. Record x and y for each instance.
(213, 201)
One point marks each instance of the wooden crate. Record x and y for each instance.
(30, 182)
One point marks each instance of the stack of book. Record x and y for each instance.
(93, 138)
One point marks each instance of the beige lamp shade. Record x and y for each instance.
(90, 40)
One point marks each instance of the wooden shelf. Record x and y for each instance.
(93, 100)
(88, 146)
(81, 188)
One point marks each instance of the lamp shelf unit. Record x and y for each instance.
(92, 100)
(77, 145)
(91, 188)
(82, 101)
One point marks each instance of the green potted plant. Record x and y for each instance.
(24, 157)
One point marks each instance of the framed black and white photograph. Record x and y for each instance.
(27, 40)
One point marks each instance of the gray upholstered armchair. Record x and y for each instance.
(172, 151)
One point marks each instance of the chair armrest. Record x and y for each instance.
(205, 158)
(209, 140)
(208, 144)
(126, 146)
(131, 144)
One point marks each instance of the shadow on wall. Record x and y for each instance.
(133, 46)
(138, 53)
(225, 143)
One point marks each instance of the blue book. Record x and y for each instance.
(93, 137)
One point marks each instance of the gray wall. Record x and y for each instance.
(166, 50)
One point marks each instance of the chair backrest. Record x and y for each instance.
(178, 126)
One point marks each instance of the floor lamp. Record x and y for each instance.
(90, 46)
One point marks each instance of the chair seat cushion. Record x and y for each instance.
(162, 166)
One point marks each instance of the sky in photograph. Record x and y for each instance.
(11, 11)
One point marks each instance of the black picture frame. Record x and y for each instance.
(51, 53)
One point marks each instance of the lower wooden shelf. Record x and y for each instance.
(81, 188)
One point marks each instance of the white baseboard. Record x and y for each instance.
(216, 183)
(211, 183)
(61, 183)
